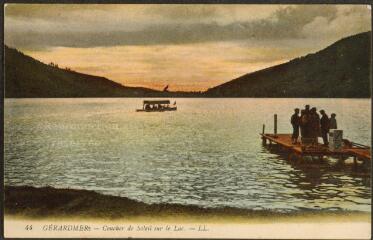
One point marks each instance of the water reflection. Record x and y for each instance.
(325, 182)
(207, 153)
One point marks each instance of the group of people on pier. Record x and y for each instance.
(311, 125)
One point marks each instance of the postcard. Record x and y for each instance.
(187, 121)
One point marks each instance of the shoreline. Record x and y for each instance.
(199, 97)
(50, 203)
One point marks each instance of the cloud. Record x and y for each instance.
(141, 12)
(349, 20)
(38, 27)
(184, 12)
(190, 47)
(53, 11)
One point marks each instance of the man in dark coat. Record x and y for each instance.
(333, 122)
(303, 123)
(307, 109)
(325, 125)
(314, 125)
(305, 116)
(295, 122)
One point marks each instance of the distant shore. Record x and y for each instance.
(193, 96)
(48, 202)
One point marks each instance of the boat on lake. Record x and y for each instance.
(157, 106)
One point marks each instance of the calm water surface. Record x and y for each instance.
(207, 153)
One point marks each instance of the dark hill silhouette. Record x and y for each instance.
(340, 70)
(26, 77)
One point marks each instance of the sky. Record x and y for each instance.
(188, 47)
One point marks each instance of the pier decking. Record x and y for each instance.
(357, 151)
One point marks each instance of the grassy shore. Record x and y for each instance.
(47, 202)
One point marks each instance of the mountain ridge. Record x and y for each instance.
(345, 64)
(26, 77)
(341, 70)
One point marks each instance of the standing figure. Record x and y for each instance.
(314, 125)
(318, 126)
(307, 109)
(324, 123)
(333, 121)
(295, 122)
(303, 123)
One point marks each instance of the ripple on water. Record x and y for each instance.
(207, 153)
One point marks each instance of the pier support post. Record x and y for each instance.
(293, 156)
(264, 140)
(365, 164)
(355, 162)
(300, 158)
(341, 160)
(275, 124)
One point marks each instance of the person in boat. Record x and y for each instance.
(147, 107)
(333, 121)
(324, 125)
(295, 122)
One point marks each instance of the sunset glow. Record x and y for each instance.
(188, 47)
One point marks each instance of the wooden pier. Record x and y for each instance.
(357, 151)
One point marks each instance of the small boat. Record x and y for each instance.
(157, 106)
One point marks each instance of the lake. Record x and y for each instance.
(207, 153)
